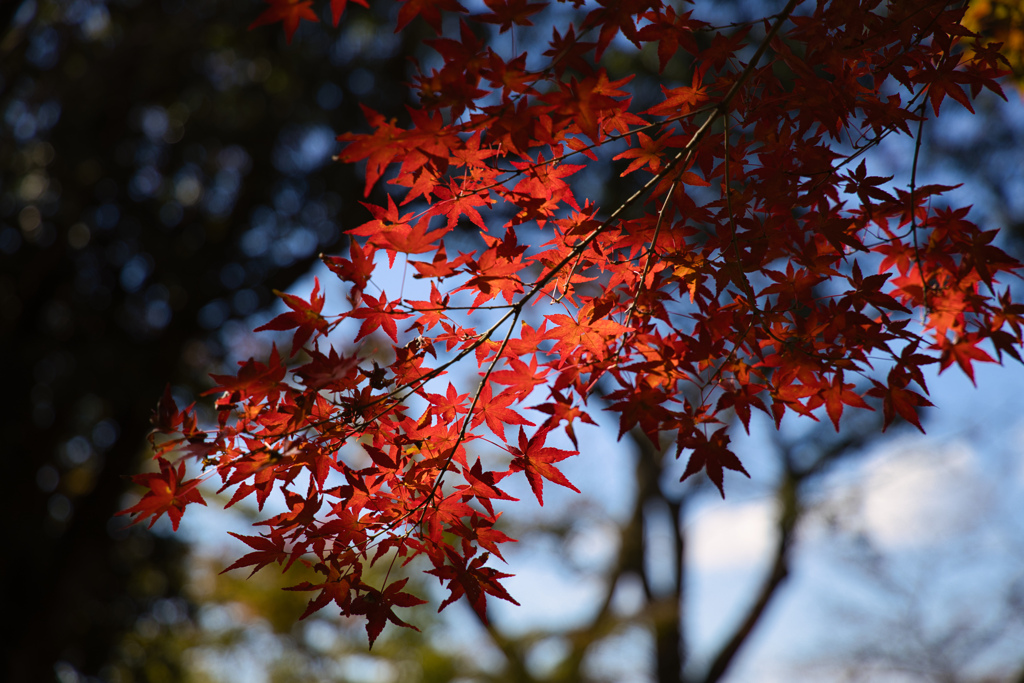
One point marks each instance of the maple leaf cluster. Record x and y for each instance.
(757, 266)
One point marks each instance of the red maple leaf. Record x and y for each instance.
(429, 10)
(592, 336)
(497, 414)
(378, 314)
(562, 410)
(380, 148)
(166, 418)
(567, 52)
(337, 587)
(304, 315)
(486, 536)
(440, 267)
(431, 312)
(836, 394)
(454, 203)
(643, 406)
(338, 8)
(730, 276)
(266, 550)
(964, 351)
(483, 486)
(520, 378)
(411, 240)
(672, 31)
(506, 13)
(378, 606)
(536, 462)
(711, 455)
(898, 400)
(472, 579)
(451, 405)
(288, 12)
(166, 492)
(254, 381)
(650, 153)
(357, 269)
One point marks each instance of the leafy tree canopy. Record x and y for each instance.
(752, 263)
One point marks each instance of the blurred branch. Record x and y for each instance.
(662, 611)
(789, 514)
(630, 559)
(513, 649)
(790, 501)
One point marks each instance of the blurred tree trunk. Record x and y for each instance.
(103, 285)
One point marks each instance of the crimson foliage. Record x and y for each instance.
(757, 266)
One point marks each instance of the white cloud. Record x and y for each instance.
(732, 536)
(916, 498)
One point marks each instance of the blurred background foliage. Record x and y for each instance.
(162, 170)
(1000, 21)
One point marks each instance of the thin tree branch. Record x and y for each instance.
(790, 510)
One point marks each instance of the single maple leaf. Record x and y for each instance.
(289, 12)
(496, 412)
(166, 418)
(337, 587)
(267, 550)
(472, 579)
(614, 16)
(964, 351)
(380, 148)
(511, 77)
(898, 400)
(411, 240)
(593, 336)
(429, 10)
(650, 153)
(506, 13)
(520, 378)
(486, 536)
(567, 52)
(451, 405)
(378, 314)
(644, 406)
(682, 100)
(446, 515)
(562, 410)
(357, 269)
(338, 8)
(301, 511)
(254, 380)
(304, 315)
(711, 455)
(536, 462)
(385, 220)
(378, 606)
(741, 399)
(431, 312)
(528, 342)
(332, 371)
(453, 203)
(440, 267)
(836, 394)
(483, 486)
(672, 31)
(168, 492)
